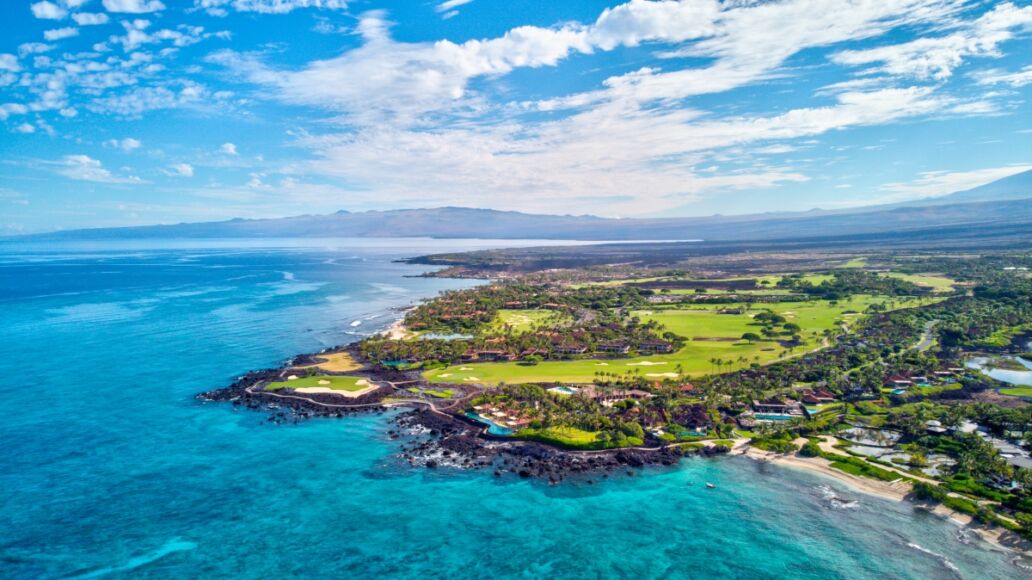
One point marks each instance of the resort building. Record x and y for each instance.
(777, 407)
(570, 349)
(617, 347)
(655, 346)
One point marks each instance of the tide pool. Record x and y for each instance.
(111, 468)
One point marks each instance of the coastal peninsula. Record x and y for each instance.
(855, 367)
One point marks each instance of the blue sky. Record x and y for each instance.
(128, 112)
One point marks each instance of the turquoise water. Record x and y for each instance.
(492, 427)
(773, 417)
(110, 467)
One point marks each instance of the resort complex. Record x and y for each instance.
(870, 367)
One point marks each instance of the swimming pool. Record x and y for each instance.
(492, 427)
(772, 417)
(563, 390)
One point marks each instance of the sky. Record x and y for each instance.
(132, 112)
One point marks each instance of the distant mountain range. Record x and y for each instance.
(1003, 203)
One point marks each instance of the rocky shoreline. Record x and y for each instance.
(449, 442)
(436, 439)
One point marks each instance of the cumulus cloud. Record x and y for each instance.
(133, 6)
(220, 7)
(60, 33)
(25, 128)
(412, 123)
(48, 11)
(181, 170)
(228, 149)
(128, 144)
(86, 168)
(34, 48)
(9, 62)
(90, 18)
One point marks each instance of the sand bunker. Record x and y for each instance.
(335, 362)
(444, 376)
(471, 379)
(645, 363)
(601, 364)
(348, 394)
(324, 382)
(465, 368)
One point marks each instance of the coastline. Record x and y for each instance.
(456, 443)
(997, 536)
(398, 330)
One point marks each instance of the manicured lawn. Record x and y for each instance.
(521, 321)
(567, 437)
(936, 283)
(761, 290)
(336, 383)
(1018, 391)
(721, 339)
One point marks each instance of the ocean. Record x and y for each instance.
(111, 468)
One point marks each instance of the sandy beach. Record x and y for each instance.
(895, 491)
(398, 330)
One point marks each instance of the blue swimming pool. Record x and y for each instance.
(492, 427)
(773, 417)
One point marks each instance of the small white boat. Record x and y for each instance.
(710, 485)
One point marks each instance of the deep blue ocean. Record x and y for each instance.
(110, 467)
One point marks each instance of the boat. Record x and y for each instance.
(710, 485)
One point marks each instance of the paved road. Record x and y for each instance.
(927, 338)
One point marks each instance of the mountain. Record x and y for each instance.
(1003, 203)
(1017, 186)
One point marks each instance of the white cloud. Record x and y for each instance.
(936, 183)
(133, 6)
(25, 128)
(402, 81)
(138, 101)
(219, 7)
(414, 130)
(34, 48)
(937, 57)
(9, 62)
(86, 168)
(90, 18)
(60, 33)
(448, 7)
(996, 76)
(228, 149)
(128, 144)
(48, 11)
(181, 170)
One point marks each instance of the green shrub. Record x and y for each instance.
(927, 491)
(811, 449)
